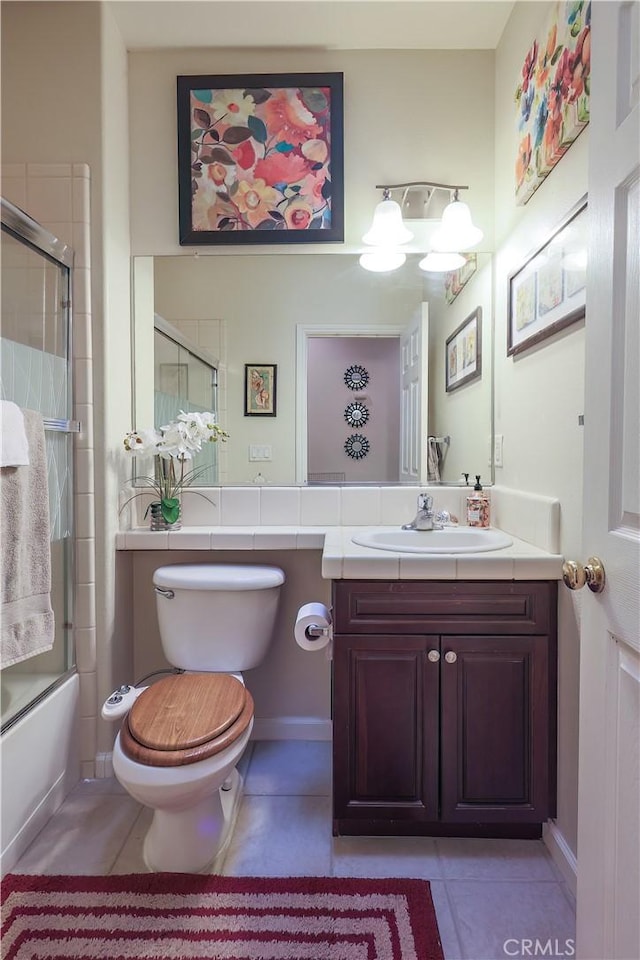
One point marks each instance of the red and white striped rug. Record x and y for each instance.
(174, 916)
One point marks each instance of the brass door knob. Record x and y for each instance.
(575, 575)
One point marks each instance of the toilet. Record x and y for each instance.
(182, 736)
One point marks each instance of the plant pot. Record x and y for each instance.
(158, 522)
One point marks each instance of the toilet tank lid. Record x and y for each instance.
(218, 576)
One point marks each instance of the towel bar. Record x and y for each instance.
(62, 426)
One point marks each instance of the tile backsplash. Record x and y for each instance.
(530, 517)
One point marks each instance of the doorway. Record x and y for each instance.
(353, 409)
(348, 404)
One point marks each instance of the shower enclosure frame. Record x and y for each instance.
(27, 231)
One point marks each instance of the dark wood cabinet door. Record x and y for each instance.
(385, 728)
(495, 729)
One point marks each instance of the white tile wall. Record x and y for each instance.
(192, 540)
(280, 506)
(360, 506)
(197, 510)
(239, 506)
(529, 517)
(320, 507)
(397, 504)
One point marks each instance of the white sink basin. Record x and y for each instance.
(449, 540)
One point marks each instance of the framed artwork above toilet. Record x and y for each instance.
(260, 158)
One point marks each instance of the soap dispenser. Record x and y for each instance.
(478, 506)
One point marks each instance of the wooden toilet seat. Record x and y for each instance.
(185, 718)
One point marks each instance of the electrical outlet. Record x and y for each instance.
(498, 442)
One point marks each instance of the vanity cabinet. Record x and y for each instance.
(444, 707)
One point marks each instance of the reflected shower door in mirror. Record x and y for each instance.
(250, 308)
(185, 380)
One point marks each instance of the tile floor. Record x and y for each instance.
(489, 894)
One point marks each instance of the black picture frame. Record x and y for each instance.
(548, 290)
(463, 352)
(275, 175)
(260, 389)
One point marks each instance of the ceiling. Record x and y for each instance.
(313, 24)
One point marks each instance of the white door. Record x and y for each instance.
(608, 921)
(414, 397)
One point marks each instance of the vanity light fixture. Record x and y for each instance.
(387, 228)
(455, 231)
(436, 262)
(382, 261)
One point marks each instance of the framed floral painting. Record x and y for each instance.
(548, 291)
(463, 352)
(552, 96)
(260, 389)
(260, 158)
(455, 280)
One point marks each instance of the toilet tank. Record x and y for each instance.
(216, 616)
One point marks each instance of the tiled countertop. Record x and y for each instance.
(343, 559)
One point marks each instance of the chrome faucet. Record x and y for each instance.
(425, 519)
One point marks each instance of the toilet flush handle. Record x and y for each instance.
(169, 594)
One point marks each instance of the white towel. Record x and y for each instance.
(28, 626)
(14, 449)
(434, 460)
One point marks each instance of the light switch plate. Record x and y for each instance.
(498, 442)
(259, 452)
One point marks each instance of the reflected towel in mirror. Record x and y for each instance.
(434, 459)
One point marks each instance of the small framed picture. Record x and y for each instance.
(548, 292)
(260, 381)
(463, 352)
(455, 280)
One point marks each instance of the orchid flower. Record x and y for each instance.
(173, 444)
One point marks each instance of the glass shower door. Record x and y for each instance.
(35, 352)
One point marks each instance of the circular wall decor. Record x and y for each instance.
(356, 377)
(356, 446)
(356, 414)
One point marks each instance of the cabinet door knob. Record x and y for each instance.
(575, 575)
(433, 656)
(450, 656)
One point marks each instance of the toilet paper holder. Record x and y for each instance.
(314, 632)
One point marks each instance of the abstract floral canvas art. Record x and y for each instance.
(260, 158)
(552, 96)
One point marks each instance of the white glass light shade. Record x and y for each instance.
(387, 228)
(382, 261)
(441, 262)
(457, 231)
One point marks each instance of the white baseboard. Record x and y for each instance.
(104, 765)
(561, 854)
(292, 728)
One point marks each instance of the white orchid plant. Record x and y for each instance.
(174, 445)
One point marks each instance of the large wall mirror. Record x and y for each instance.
(359, 366)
